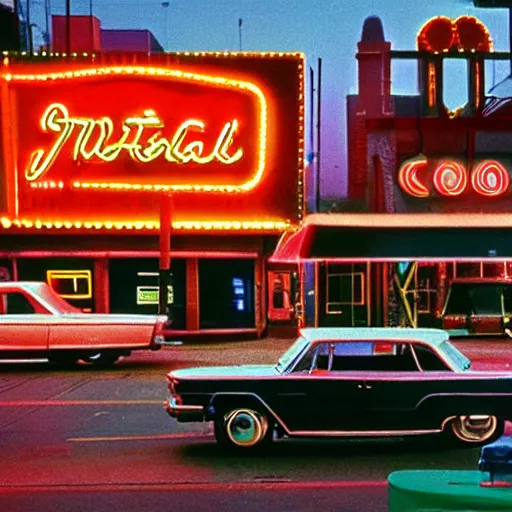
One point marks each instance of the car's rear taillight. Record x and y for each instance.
(158, 338)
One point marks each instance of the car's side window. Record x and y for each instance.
(307, 362)
(359, 356)
(317, 358)
(429, 360)
(15, 303)
(375, 356)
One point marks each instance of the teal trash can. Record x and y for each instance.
(445, 491)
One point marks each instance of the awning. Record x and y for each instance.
(293, 246)
(398, 237)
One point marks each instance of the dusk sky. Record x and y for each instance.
(329, 29)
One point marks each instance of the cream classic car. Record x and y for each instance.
(35, 322)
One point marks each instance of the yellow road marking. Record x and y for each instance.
(177, 435)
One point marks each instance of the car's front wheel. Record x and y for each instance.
(243, 428)
(476, 430)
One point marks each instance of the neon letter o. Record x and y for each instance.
(490, 178)
(450, 178)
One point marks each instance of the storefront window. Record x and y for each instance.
(71, 278)
(71, 284)
(344, 290)
(134, 288)
(226, 294)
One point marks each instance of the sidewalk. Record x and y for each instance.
(485, 355)
(261, 351)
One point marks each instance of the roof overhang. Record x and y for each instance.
(398, 237)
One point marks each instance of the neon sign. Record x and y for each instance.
(161, 120)
(442, 34)
(93, 140)
(93, 136)
(488, 178)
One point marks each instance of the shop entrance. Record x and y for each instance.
(134, 288)
(226, 294)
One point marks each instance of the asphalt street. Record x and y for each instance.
(93, 440)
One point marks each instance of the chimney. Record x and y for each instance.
(374, 58)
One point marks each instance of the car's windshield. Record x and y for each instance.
(55, 302)
(292, 353)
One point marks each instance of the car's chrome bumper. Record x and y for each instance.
(184, 412)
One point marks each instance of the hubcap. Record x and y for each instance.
(245, 427)
(474, 428)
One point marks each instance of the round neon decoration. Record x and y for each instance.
(442, 34)
(488, 178)
(450, 178)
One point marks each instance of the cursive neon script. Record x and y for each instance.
(92, 136)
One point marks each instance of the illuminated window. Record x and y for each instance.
(71, 284)
(151, 295)
(344, 290)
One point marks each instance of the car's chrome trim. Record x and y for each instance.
(361, 433)
(447, 420)
(338, 433)
(416, 359)
(257, 397)
(475, 394)
(373, 375)
(174, 408)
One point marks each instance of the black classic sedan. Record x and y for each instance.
(348, 382)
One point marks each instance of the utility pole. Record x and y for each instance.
(16, 8)
(318, 135)
(47, 14)
(29, 29)
(91, 26)
(165, 5)
(240, 22)
(311, 129)
(68, 26)
(165, 277)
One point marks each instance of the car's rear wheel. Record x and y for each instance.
(243, 428)
(476, 430)
(101, 359)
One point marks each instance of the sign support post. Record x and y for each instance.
(165, 277)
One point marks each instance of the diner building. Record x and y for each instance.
(92, 144)
(428, 188)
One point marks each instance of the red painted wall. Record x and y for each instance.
(85, 34)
